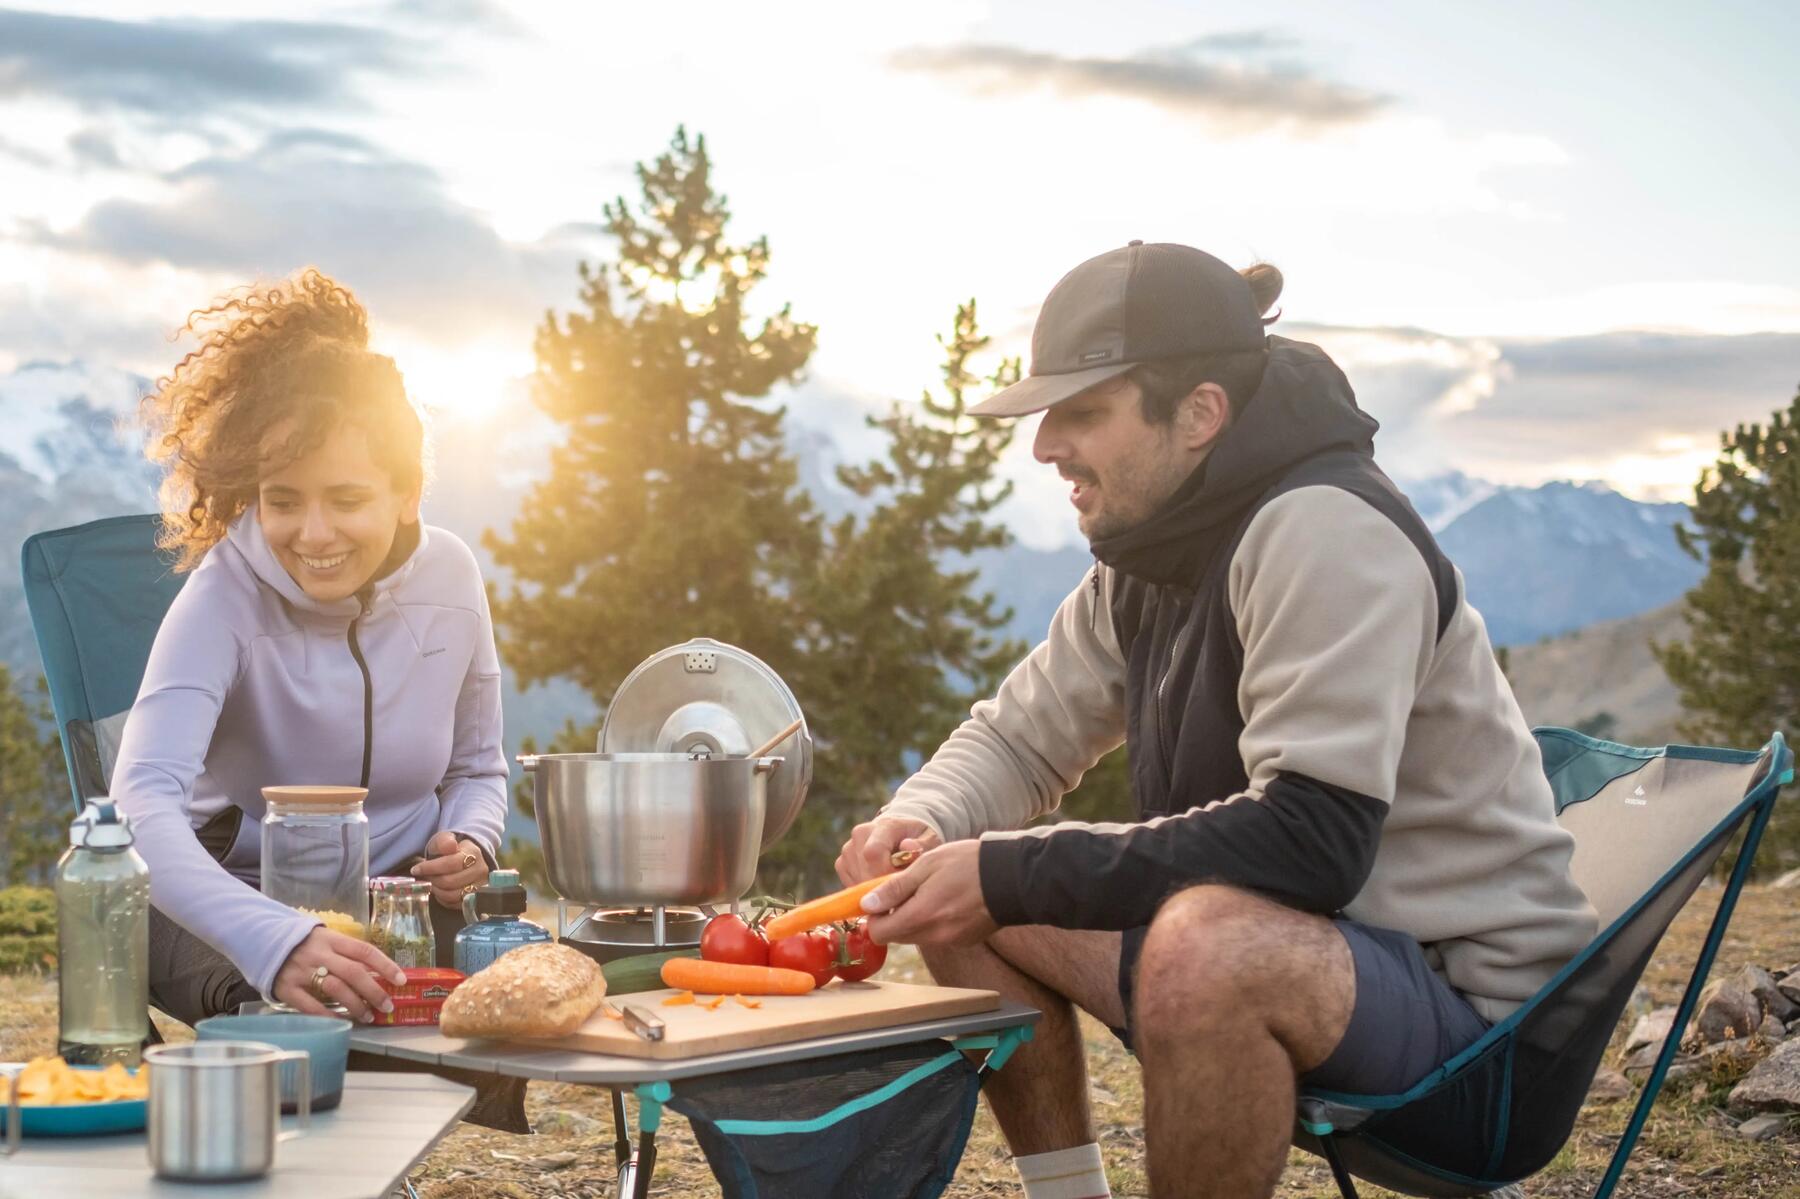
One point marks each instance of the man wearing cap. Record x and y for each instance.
(1345, 863)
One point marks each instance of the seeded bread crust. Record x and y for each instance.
(542, 990)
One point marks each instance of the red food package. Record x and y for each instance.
(424, 982)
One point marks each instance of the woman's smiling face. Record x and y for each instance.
(332, 515)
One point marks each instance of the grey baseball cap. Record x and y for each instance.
(1135, 304)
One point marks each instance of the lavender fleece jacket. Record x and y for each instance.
(252, 683)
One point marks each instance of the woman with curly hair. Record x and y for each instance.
(326, 636)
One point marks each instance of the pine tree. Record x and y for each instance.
(900, 638)
(670, 509)
(1739, 671)
(34, 797)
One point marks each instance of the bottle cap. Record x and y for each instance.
(101, 826)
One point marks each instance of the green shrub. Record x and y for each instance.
(27, 912)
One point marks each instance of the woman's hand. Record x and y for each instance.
(351, 967)
(452, 868)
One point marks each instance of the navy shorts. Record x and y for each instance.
(1406, 1022)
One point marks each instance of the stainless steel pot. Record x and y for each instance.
(650, 828)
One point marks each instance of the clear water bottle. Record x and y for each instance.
(102, 941)
(494, 912)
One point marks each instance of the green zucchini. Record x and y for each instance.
(640, 972)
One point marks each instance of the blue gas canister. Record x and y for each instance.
(495, 924)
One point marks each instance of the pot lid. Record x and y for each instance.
(709, 696)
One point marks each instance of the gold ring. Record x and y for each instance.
(469, 859)
(317, 986)
(468, 888)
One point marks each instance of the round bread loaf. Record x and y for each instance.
(542, 990)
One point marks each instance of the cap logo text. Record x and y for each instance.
(1096, 356)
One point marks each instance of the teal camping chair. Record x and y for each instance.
(1649, 825)
(97, 594)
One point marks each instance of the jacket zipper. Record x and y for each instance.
(368, 689)
(1162, 689)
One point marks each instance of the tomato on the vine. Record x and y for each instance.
(860, 957)
(729, 938)
(813, 952)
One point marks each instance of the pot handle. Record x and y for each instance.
(767, 765)
(528, 761)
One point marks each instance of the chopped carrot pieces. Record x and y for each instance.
(712, 1005)
(748, 1002)
(610, 1012)
(685, 997)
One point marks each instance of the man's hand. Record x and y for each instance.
(935, 901)
(350, 969)
(866, 854)
(451, 867)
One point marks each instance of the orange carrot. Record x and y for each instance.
(729, 978)
(712, 1005)
(748, 1002)
(840, 905)
(686, 997)
(610, 1012)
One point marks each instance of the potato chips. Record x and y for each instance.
(50, 1081)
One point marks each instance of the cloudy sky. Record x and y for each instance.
(1546, 243)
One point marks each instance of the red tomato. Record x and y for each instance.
(865, 956)
(727, 938)
(812, 952)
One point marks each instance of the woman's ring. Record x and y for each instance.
(469, 859)
(317, 985)
(469, 888)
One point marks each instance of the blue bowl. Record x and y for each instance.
(81, 1119)
(325, 1039)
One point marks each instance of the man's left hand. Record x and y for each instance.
(452, 867)
(935, 901)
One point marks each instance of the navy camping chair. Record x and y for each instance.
(97, 593)
(1649, 825)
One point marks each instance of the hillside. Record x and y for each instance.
(1604, 669)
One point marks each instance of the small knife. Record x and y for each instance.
(641, 1022)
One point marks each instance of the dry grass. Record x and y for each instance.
(1687, 1150)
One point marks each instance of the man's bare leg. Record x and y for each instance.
(1040, 1099)
(1235, 997)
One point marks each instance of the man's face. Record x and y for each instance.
(1123, 467)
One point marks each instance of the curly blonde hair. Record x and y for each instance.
(291, 354)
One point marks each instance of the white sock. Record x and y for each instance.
(1076, 1173)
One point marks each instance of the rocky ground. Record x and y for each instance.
(1700, 1142)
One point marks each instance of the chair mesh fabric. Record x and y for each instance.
(1649, 827)
(97, 594)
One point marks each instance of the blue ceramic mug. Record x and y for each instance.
(324, 1039)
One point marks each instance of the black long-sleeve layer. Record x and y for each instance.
(1307, 844)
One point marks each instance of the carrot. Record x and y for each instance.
(730, 978)
(712, 1005)
(840, 905)
(685, 997)
(748, 1002)
(610, 1012)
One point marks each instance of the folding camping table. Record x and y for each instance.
(1000, 1032)
(361, 1149)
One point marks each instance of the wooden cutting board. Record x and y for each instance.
(692, 1030)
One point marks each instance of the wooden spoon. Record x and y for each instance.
(763, 749)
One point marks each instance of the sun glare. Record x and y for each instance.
(473, 383)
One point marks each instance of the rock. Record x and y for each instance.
(1651, 1029)
(553, 1161)
(1608, 1086)
(1639, 1063)
(1699, 1093)
(1728, 1012)
(1789, 983)
(566, 1124)
(1772, 1030)
(1762, 1128)
(1790, 879)
(1762, 984)
(1774, 1085)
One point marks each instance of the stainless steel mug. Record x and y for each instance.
(215, 1108)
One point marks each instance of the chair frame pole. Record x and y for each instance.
(1715, 936)
(1346, 1187)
